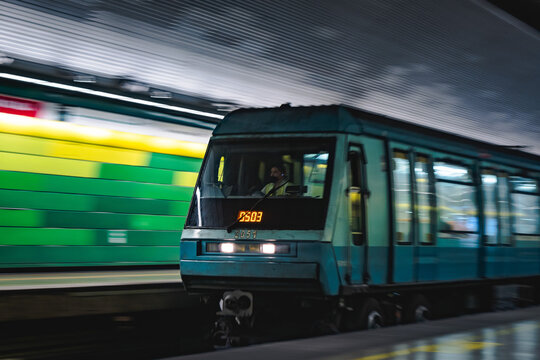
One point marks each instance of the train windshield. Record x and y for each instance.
(266, 183)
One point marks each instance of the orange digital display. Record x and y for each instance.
(250, 216)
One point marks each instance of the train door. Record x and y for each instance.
(414, 254)
(356, 194)
(404, 264)
(505, 217)
(426, 258)
(491, 226)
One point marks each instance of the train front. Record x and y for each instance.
(258, 217)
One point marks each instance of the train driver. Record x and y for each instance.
(280, 181)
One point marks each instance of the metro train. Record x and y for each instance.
(385, 221)
(98, 184)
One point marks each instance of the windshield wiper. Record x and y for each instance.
(231, 227)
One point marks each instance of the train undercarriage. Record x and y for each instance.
(251, 317)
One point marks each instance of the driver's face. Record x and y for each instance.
(274, 172)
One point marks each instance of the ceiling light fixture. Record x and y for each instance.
(107, 95)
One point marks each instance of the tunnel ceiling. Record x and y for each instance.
(466, 67)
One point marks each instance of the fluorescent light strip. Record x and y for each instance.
(107, 95)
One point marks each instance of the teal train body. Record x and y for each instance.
(373, 206)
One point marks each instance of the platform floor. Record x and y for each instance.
(62, 294)
(507, 335)
(71, 279)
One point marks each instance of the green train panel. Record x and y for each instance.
(79, 196)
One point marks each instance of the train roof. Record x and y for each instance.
(345, 119)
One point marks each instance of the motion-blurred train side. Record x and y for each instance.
(377, 214)
(91, 184)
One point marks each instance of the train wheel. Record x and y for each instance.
(417, 309)
(221, 333)
(371, 315)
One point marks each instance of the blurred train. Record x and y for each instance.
(102, 182)
(382, 220)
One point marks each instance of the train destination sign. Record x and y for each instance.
(250, 216)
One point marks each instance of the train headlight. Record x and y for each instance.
(248, 248)
(268, 249)
(226, 248)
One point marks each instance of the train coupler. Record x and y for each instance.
(236, 303)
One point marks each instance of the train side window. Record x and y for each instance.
(357, 193)
(525, 205)
(402, 196)
(456, 200)
(424, 202)
(491, 221)
(504, 209)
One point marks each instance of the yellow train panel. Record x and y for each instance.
(23, 125)
(184, 178)
(48, 165)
